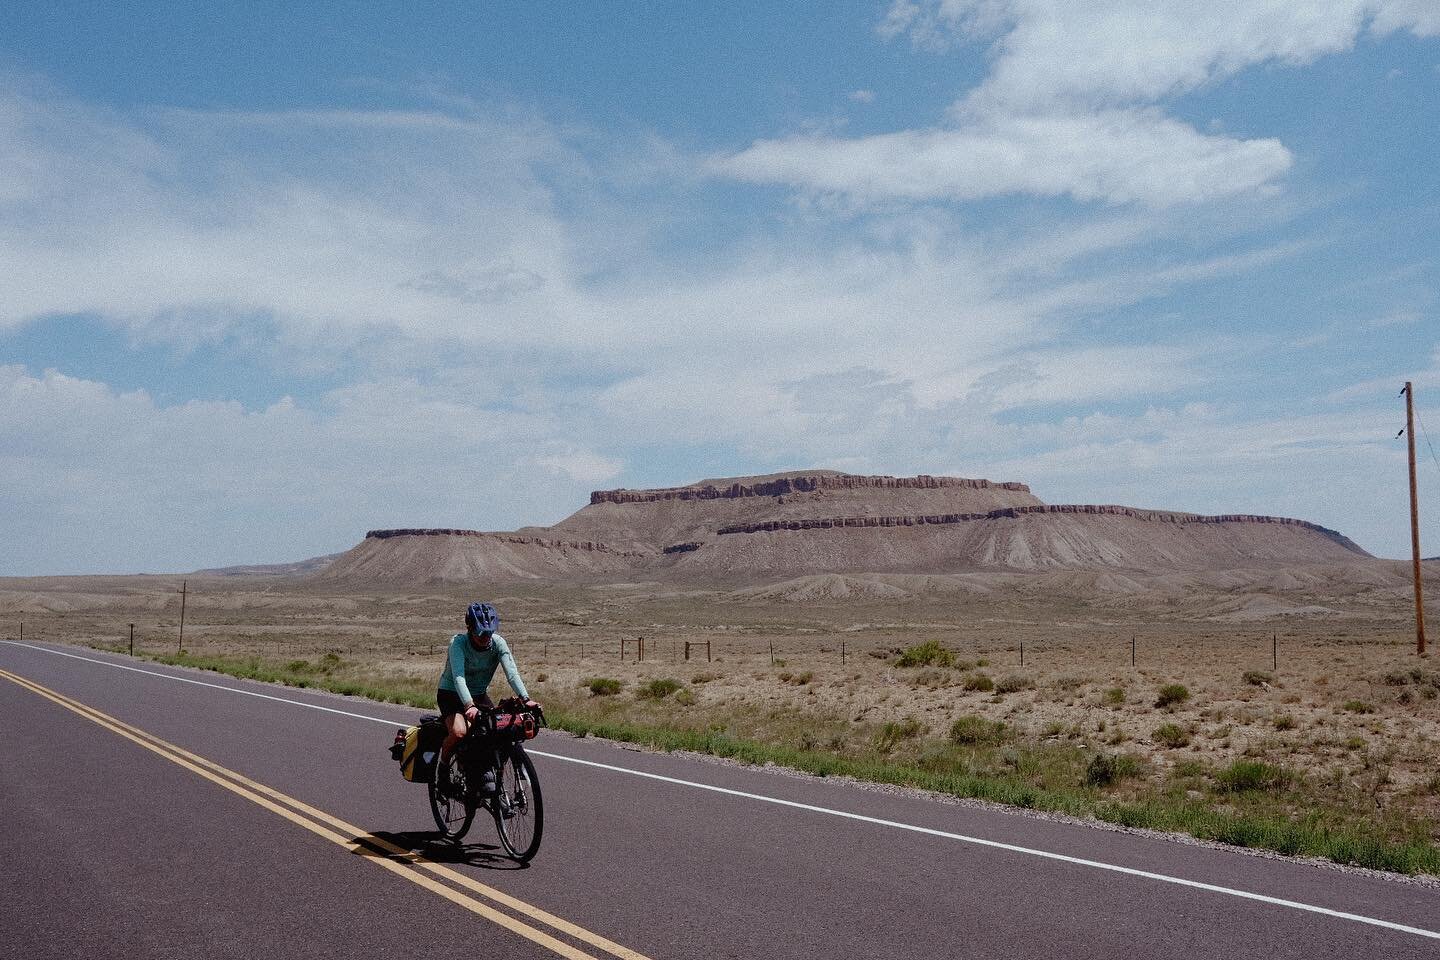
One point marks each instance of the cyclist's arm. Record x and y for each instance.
(457, 671)
(512, 673)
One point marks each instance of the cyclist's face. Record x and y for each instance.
(481, 640)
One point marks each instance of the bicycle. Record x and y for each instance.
(495, 743)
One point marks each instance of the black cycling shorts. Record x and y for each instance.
(449, 702)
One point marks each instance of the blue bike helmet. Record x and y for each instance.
(483, 618)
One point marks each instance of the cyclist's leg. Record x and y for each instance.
(455, 728)
(452, 712)
(492, 775)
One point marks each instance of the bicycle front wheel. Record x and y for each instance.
(450, 802)
(519, 810)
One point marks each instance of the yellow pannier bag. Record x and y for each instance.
(417, 748)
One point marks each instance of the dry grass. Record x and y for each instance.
(1348, 703)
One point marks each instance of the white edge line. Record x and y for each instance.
(996, 844)
(794, 804)
(200, 683)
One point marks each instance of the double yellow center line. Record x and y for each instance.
(479, 898)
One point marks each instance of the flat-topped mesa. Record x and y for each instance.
(589, 545)
(785, 486)
(851, 524)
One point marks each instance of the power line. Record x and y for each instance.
(1426, 434)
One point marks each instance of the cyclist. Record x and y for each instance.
(469, 668)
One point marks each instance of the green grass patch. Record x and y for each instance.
(893, 733)
(1172, 694)
(1171, 735)
(970, 730)
(415, 693)
(927, 654)
(1014, 683)
(657, 689)
(603, 686)
(1249, 775)
(1106, 769)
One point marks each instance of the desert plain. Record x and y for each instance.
(1275, 700)
(1336, 700)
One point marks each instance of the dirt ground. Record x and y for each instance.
(1340, 695)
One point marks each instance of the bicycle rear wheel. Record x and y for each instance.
(450, 802)
(519, 810)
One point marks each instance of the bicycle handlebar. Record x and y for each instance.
(512, 707)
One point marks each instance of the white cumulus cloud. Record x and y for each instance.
(1071, 104)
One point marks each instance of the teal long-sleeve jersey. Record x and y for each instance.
(468, 671)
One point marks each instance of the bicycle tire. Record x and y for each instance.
(453, 814)
(518, 806)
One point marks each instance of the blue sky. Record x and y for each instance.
(270, 277)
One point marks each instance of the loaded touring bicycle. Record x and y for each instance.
(488, 769)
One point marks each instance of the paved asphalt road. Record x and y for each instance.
(114, 849)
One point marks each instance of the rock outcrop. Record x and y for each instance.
(652, 520)
(799, 484)
(498, 537)
(1155, 516)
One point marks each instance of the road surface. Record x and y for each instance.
(159, 812)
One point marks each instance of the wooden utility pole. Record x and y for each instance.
(184, 588)
(1414, 518)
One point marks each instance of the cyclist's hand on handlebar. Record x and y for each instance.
(471, 712)
(530, 704)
